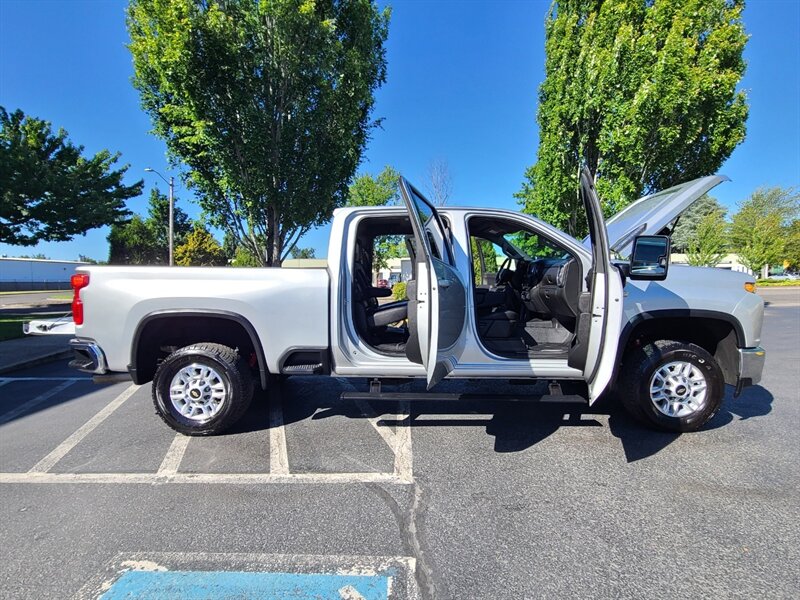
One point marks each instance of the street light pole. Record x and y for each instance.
(171, 183)
(171, 220)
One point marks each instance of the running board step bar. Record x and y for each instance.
(439, 397)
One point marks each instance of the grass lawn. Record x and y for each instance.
(778, 283)
(11, 326)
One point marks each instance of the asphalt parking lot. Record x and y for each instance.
(419, 500)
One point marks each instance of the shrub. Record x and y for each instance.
(399, 291)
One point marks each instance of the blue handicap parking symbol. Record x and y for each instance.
(213, 585)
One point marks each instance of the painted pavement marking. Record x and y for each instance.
(172, 460)
(191, 575)
(398, 441)
(49, 461)
(199, 478)
(278, 454)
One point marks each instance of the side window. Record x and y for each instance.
(434, 228)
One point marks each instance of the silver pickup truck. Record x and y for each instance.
(559, 310)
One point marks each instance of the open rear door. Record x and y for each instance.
(594, 350)
(436, 296)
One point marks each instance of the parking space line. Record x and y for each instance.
(61, 450)
(387, 434)
(403, 455)
(199, 478)
(278, 454)
(398, 441)
(22, 408)
(174, 456)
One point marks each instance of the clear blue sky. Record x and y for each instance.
(462, 84)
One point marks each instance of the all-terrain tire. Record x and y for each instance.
(690, 380)
(212, 385)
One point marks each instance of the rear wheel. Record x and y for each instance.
(672, 386)
(202, 389)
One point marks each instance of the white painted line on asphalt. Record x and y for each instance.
(386, 433)
(61, 450)
(4, 380)
(199, 478)
(23, 408)
(399, 441)
(174, 456)
(348, 592)
(403, 455)
(278, 454)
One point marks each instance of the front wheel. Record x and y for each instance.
(672, 386)
(202, 389)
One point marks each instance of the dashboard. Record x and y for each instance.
(550, 288)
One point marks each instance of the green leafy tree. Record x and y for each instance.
(267, 103)
(131, 245)
(158, 220)
(489, 258)
(708, 241)
(688, 222)
(243, 258)
(382, 189)
(758, 229)
(303, 252)
(792, 250)
(49, 191)
(88, 259)
(200, 249)
(641, 91)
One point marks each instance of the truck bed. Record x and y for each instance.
(288, 308)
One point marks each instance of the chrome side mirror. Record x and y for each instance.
(650, 257)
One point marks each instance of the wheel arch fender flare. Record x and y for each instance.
(683, 313)
(188, 313)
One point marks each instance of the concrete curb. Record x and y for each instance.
(35, 361)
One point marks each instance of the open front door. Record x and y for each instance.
(594, 350)
(437, 304)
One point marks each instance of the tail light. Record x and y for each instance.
(78, 282)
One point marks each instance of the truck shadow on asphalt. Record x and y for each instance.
(516, 426)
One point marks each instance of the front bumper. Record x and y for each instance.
(751, 364)
(88, 357)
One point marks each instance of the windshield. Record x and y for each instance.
(530, 246)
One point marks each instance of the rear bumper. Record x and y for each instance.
(751, 364)
(88, 357)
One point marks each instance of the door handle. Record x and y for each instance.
(445, 283)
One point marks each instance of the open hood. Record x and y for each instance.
(649, 215)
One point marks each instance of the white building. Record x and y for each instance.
(729, 262)
(30, 274)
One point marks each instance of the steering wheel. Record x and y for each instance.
(502, 272)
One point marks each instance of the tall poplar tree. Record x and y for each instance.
(644, 92)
